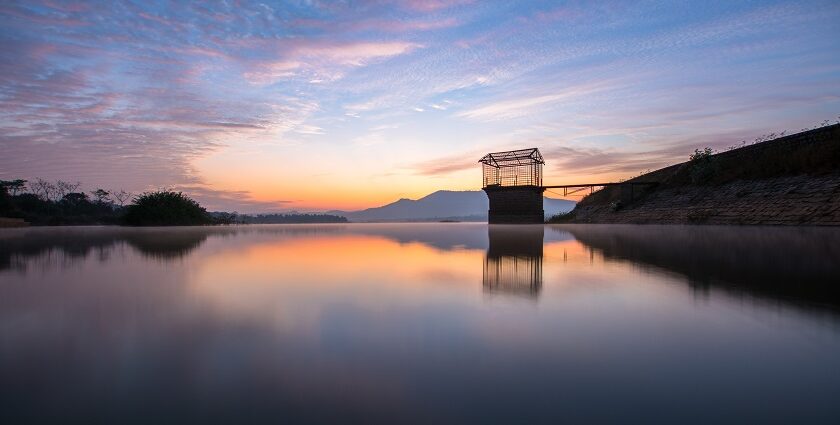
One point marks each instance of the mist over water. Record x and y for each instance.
(441, 323)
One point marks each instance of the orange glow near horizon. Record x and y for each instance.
(278, 270)
(313, 187)
(325, 186)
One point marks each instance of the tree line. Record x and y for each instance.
(60, 202)
(58, 190)
(43, 202)
(46, 203)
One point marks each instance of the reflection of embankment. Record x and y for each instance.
(513, 264)
(793, 265)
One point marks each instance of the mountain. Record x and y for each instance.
(468, 205)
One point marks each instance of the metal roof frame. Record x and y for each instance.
(513, 158)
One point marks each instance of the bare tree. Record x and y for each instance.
(63, 188)
(43, 189)
(121, 196)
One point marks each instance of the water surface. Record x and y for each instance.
(430, 323)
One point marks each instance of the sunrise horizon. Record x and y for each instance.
(419, 211)
(312, 106)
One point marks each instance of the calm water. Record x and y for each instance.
(433, 323)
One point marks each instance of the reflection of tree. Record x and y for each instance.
(166, 246)
(790, 265)
(513, 263)
(18, 249)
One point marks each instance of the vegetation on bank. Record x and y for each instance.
(41, 202)
(702, 165)
(166, 208)
(44, 203)
(564, 217)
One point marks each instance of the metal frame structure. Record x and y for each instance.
(521, 167)
(628, 187)
(513, 184)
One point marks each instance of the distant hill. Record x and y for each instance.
(442, 205)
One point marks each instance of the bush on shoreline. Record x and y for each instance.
(563, 217)
(166, 208)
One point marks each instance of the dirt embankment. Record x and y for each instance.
(793, 180)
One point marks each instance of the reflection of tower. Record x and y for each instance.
(514, 259)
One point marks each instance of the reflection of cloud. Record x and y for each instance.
(120, 313)
(20, 248)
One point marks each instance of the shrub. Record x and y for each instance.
(700, 156)
(165, 208)
(562, 217)
(703, 165)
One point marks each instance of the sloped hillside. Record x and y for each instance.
(793, 180)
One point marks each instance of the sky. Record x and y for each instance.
(311, 105)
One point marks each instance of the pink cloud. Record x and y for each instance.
(40, 19)
(383, 25)
(433, 5)
(356, 54)
(557, 14)
(231, 200)
(325, 58)
(160, 20)
(406, 26)
(67, 6)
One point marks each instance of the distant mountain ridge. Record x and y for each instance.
(469, 205)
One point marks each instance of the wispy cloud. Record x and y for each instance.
(446, 165)
(137, 94)
(326, 60)
(232, 200)
(433, 5)
(525, 105)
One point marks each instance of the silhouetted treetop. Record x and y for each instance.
(165, 208)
